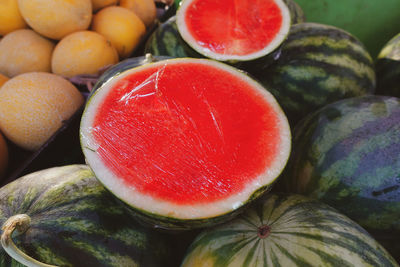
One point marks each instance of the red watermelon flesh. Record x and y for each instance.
(189, 132)
(233, 29)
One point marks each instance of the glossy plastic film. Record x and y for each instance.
(185, 133)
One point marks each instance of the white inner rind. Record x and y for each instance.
(162, 207)
(277, 41)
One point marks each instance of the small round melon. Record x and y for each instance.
(10, 17)
(25, 51)
(34, 105)
(121, 26)
(3, 155)
(56, 18)
(145, 9)
(84, 52)
(3, 79)
(99, 4)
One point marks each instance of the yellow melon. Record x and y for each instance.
(145, 9)
(84, 52)
(25, 51)
(99, 4)
(56, 18)
(121, 26)
(3, 156)
(33, 106)
(10, 17)
(3, 79)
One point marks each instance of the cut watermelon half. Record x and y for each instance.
(184, 139)
(233, 30)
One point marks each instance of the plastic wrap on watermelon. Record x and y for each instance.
(184, 138)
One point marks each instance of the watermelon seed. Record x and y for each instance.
(264, 231)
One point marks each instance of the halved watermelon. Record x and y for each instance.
(185, 141)
(232, 30)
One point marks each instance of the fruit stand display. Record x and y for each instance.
(199, 133)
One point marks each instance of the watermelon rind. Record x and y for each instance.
(275, 43)
(287, 230)
(162, 213)
(316, 65)
(388, 69)
(75, 221)
(347, 155)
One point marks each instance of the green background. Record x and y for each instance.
(373, 22)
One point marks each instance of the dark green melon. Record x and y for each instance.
(316, 65)
(74, 221)
(287, 230)
(388, 69)
(166, 41)
(347, 155)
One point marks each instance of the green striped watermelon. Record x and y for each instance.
(347, 155)
(287, 230)
(166, 40)
(388, 68)
(173, 140)
(74, 221)
(317, 65)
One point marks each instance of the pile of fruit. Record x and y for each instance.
(45, 44)
(243, 136)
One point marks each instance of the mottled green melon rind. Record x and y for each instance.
(388, 69)
(302, 232)
(175, 224)
(315, 66)
(76, 222)
(347, 155)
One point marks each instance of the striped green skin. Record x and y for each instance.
(315, 66)
(166, 40)
(347, 155)
(388, 69)
(302, 232)
(76, 222)
(174, 224)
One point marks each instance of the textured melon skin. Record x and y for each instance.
(315, 66)
(347, 155)
(166, 40)
(388, 69)
(302, 232)
(76, 222)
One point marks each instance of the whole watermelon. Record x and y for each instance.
(347, 154)
(316, 65)
(74, 221)
(388, 68)
(287, 230)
